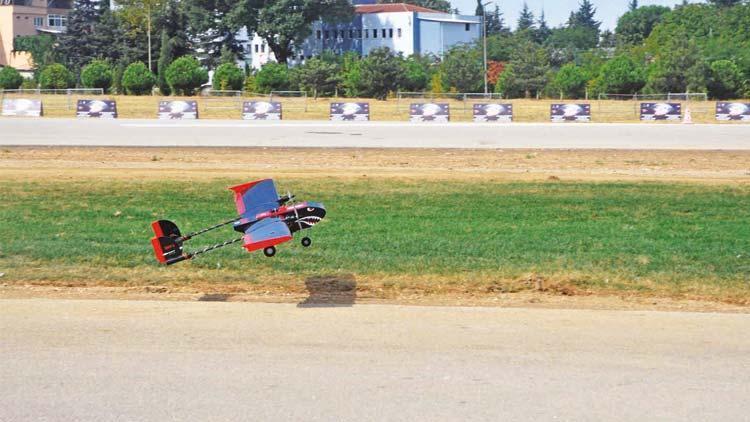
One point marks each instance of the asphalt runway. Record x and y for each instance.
(161, 361)
(233, 133)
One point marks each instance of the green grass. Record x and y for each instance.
(674, 238)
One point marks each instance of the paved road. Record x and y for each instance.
(160, 361)
(371, 134)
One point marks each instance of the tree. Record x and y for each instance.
(725, 3)
(678, 67)
(570, 81)
(380, 73)
(416, 73)
(140, 14)
(10, 78)
(41, 48)
(97, 74)
(584, 16)
(318, 76)
(284, 23)
(543, 32)
(351, 74)
(440, 5)
(526, 19)
(463, 70)
(215, 24)
(727, 81)
(496, 23)
(636, 25)
(138, 79)
(272, 77)
(56, 76)
(621, 75)
(228, 77)
(527, 71)
(77, 46)
(185, 75)
(166, 57)
(632, 5)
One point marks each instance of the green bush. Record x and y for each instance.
(137, 79)
(10, 78)
(56, 76)
(97, 74)
(185, 75)
(272, 77)
(228, 77)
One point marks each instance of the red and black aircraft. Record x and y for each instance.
(265, 219)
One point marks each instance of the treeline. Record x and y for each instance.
(654, 49)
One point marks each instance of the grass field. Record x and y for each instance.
(660, 239)
(145, 107)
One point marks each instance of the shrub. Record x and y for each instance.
(249, 83)
(56, 76)
(185, 75)
(10, 78)
(272, 77)
(228, 77)
(137, 79)
(97, 74)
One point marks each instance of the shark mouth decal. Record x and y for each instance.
(308, 221)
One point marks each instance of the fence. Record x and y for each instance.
(233, 100)
(63, 99)
(459, 101)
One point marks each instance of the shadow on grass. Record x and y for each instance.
(214, 297)
(330, 291)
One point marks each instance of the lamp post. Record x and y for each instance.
(484, 36)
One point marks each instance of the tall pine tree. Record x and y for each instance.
(496, 22)
(526, 20)
(543, 30)
(633, 5)
(78, 45)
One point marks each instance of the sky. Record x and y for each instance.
(557, 11)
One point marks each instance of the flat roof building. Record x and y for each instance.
(29, 17)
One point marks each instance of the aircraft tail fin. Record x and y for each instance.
(167, 250)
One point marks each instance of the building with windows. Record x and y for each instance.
(404, 28)
(29, 17)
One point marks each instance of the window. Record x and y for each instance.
(327, 34)
(374, 33)
(341, 34)
(399, 32)
(57, 20)
(390, 33)
(367, 33)
(468, 26)
(301, 57)
(359, 33)
(262, 48)
(351, 34)
(320, 34)
(256, 48)
(383, 32)
(38, 21)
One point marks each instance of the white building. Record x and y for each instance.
(404, 28)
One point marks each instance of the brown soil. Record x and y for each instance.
(566, 165)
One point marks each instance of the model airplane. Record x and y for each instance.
(265, 219)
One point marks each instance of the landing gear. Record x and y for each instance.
(306, 242)
(269, 251)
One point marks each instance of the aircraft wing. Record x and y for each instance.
(265, 233)
(256, 197)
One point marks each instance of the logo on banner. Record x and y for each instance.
(22, 107)
(430, 112)
(571, 112)
(97, 109)
(261, 110)
(739, 112)
(493, 112)
(661, 111)
(176, 110)
(350, 111)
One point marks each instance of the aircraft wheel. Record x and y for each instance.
(269, 251)
(306, 242)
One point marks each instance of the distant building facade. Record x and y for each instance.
(404, 28)
(29, 17)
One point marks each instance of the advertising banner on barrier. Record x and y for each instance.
(106, 109)
(261, 110)
(661, 111)
(350, 111)
(570, 112)
(176, 110)
(430, 112)
(493, 112)
(738, 112)
(22, 107)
